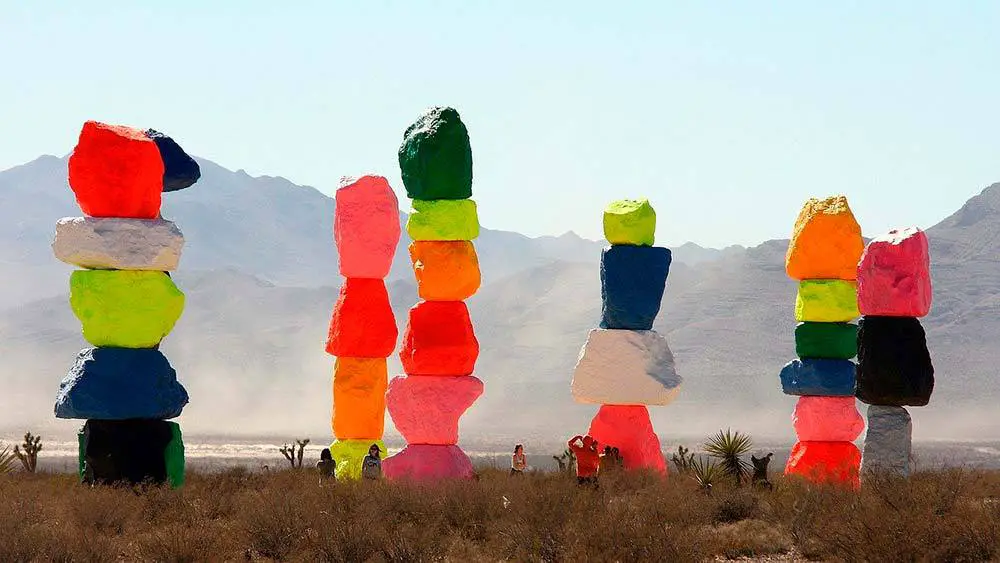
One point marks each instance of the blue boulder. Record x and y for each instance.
(632, 282)
(120, 384)
(180, 171)
(818, 376)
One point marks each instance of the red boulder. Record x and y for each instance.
(363, 325)
(439, 340)
(836, 463)
(627, 427)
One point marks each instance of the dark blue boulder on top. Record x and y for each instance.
(179, 170)
(632, 282)
(818, 376)
(119, 384)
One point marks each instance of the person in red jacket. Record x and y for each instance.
(588, 459)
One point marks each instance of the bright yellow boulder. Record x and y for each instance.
(826, 242)
(827, 301)
(348, 455)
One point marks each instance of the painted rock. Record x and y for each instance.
(124, 308)
(362, 325)
(120, 383)
(826, 241)
(348, 455)
(425, 409)
(359, 398)
(435, 158)
(834, 463)
(632, 283)
(180, 171)
(630, 221)
(174, 456)
(366, 227)
(445, 219)
(118, 244)
(445, 270)
(888, 442)
(894, 365)
(625, 367)
(628, 428)
(821, 377)
(837, 341)
(425, 462)
(827, 419)
(826, 301)
(894, 276)
(116, 171)
(126, 451)
(439, 340)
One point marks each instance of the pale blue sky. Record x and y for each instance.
(726, 115)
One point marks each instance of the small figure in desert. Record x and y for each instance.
(760, 471)
(588, 459)
(518, 461)
(371, 465)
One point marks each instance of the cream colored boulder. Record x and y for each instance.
(625, 367)
(111, 243)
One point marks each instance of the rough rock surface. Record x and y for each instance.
(118, 244)
(125, 451)
(826, 301)
(837, 341)
(632, 283)
(827, 419)
(894, 276)
(425, 409)
(821, 377)
(435, 158)
(826, 242)
(123, 308)
(628, 428)
(630, 221)
(366, 227)
(362, 324)
(174, 456)
(180, 171)
(348, 455)
(439, 340)
(835, 463)
(120, 383)
(445, 270)
(889, 440)
(445, 219)
(116, 171)
(359, 386)
(894, 365)
(424, 462)
(625, 367)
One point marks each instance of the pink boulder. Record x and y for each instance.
(894, 275)
(423, 462)
(627, 427)
(366, 227)
(426, 408)
(827, 419)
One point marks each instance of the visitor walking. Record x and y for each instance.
(518, 461)
(588, 459)
(371, 465)
(326, 466)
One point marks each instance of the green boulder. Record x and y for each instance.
(630, 221)
(835, 341)
(125, 308)
(435, 158)
(173, 455)
(348, 455)
(443, 219)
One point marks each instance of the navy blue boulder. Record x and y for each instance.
(179, 169)
(818, 376)
(120, 384)
(632, 282)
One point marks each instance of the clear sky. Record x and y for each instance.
(726, 115)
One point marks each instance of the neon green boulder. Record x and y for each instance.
(173, 456)
(443, 219)
(827, 301)
(125, 308)
(348, 454)
(630, 221)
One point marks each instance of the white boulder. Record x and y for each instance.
(888, 442)
(625, 367)
(111, 243)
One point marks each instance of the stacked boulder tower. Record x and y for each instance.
(439, 348)
(625, 365)
(822, 255)
(362, 328)
(124, 387)
(894, 365)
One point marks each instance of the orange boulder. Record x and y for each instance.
(835, 463)
(445, 270)
(359, 386)
(826, 242)
(439, 340)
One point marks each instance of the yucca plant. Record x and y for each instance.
(729, 447)
(705, 472)
(8, 460)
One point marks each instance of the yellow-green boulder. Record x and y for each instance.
(630, 221)
(348, 455)
(827, 301)
(443, 219)
(125, 308)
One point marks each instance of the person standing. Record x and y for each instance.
(326, 466)
(371, 465)
(518, 461)
(588, 459)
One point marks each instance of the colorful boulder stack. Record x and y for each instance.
(625, 364)
(439, 348)
(894, 365)
(363, 328)
(124, 387)
(822, 255)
